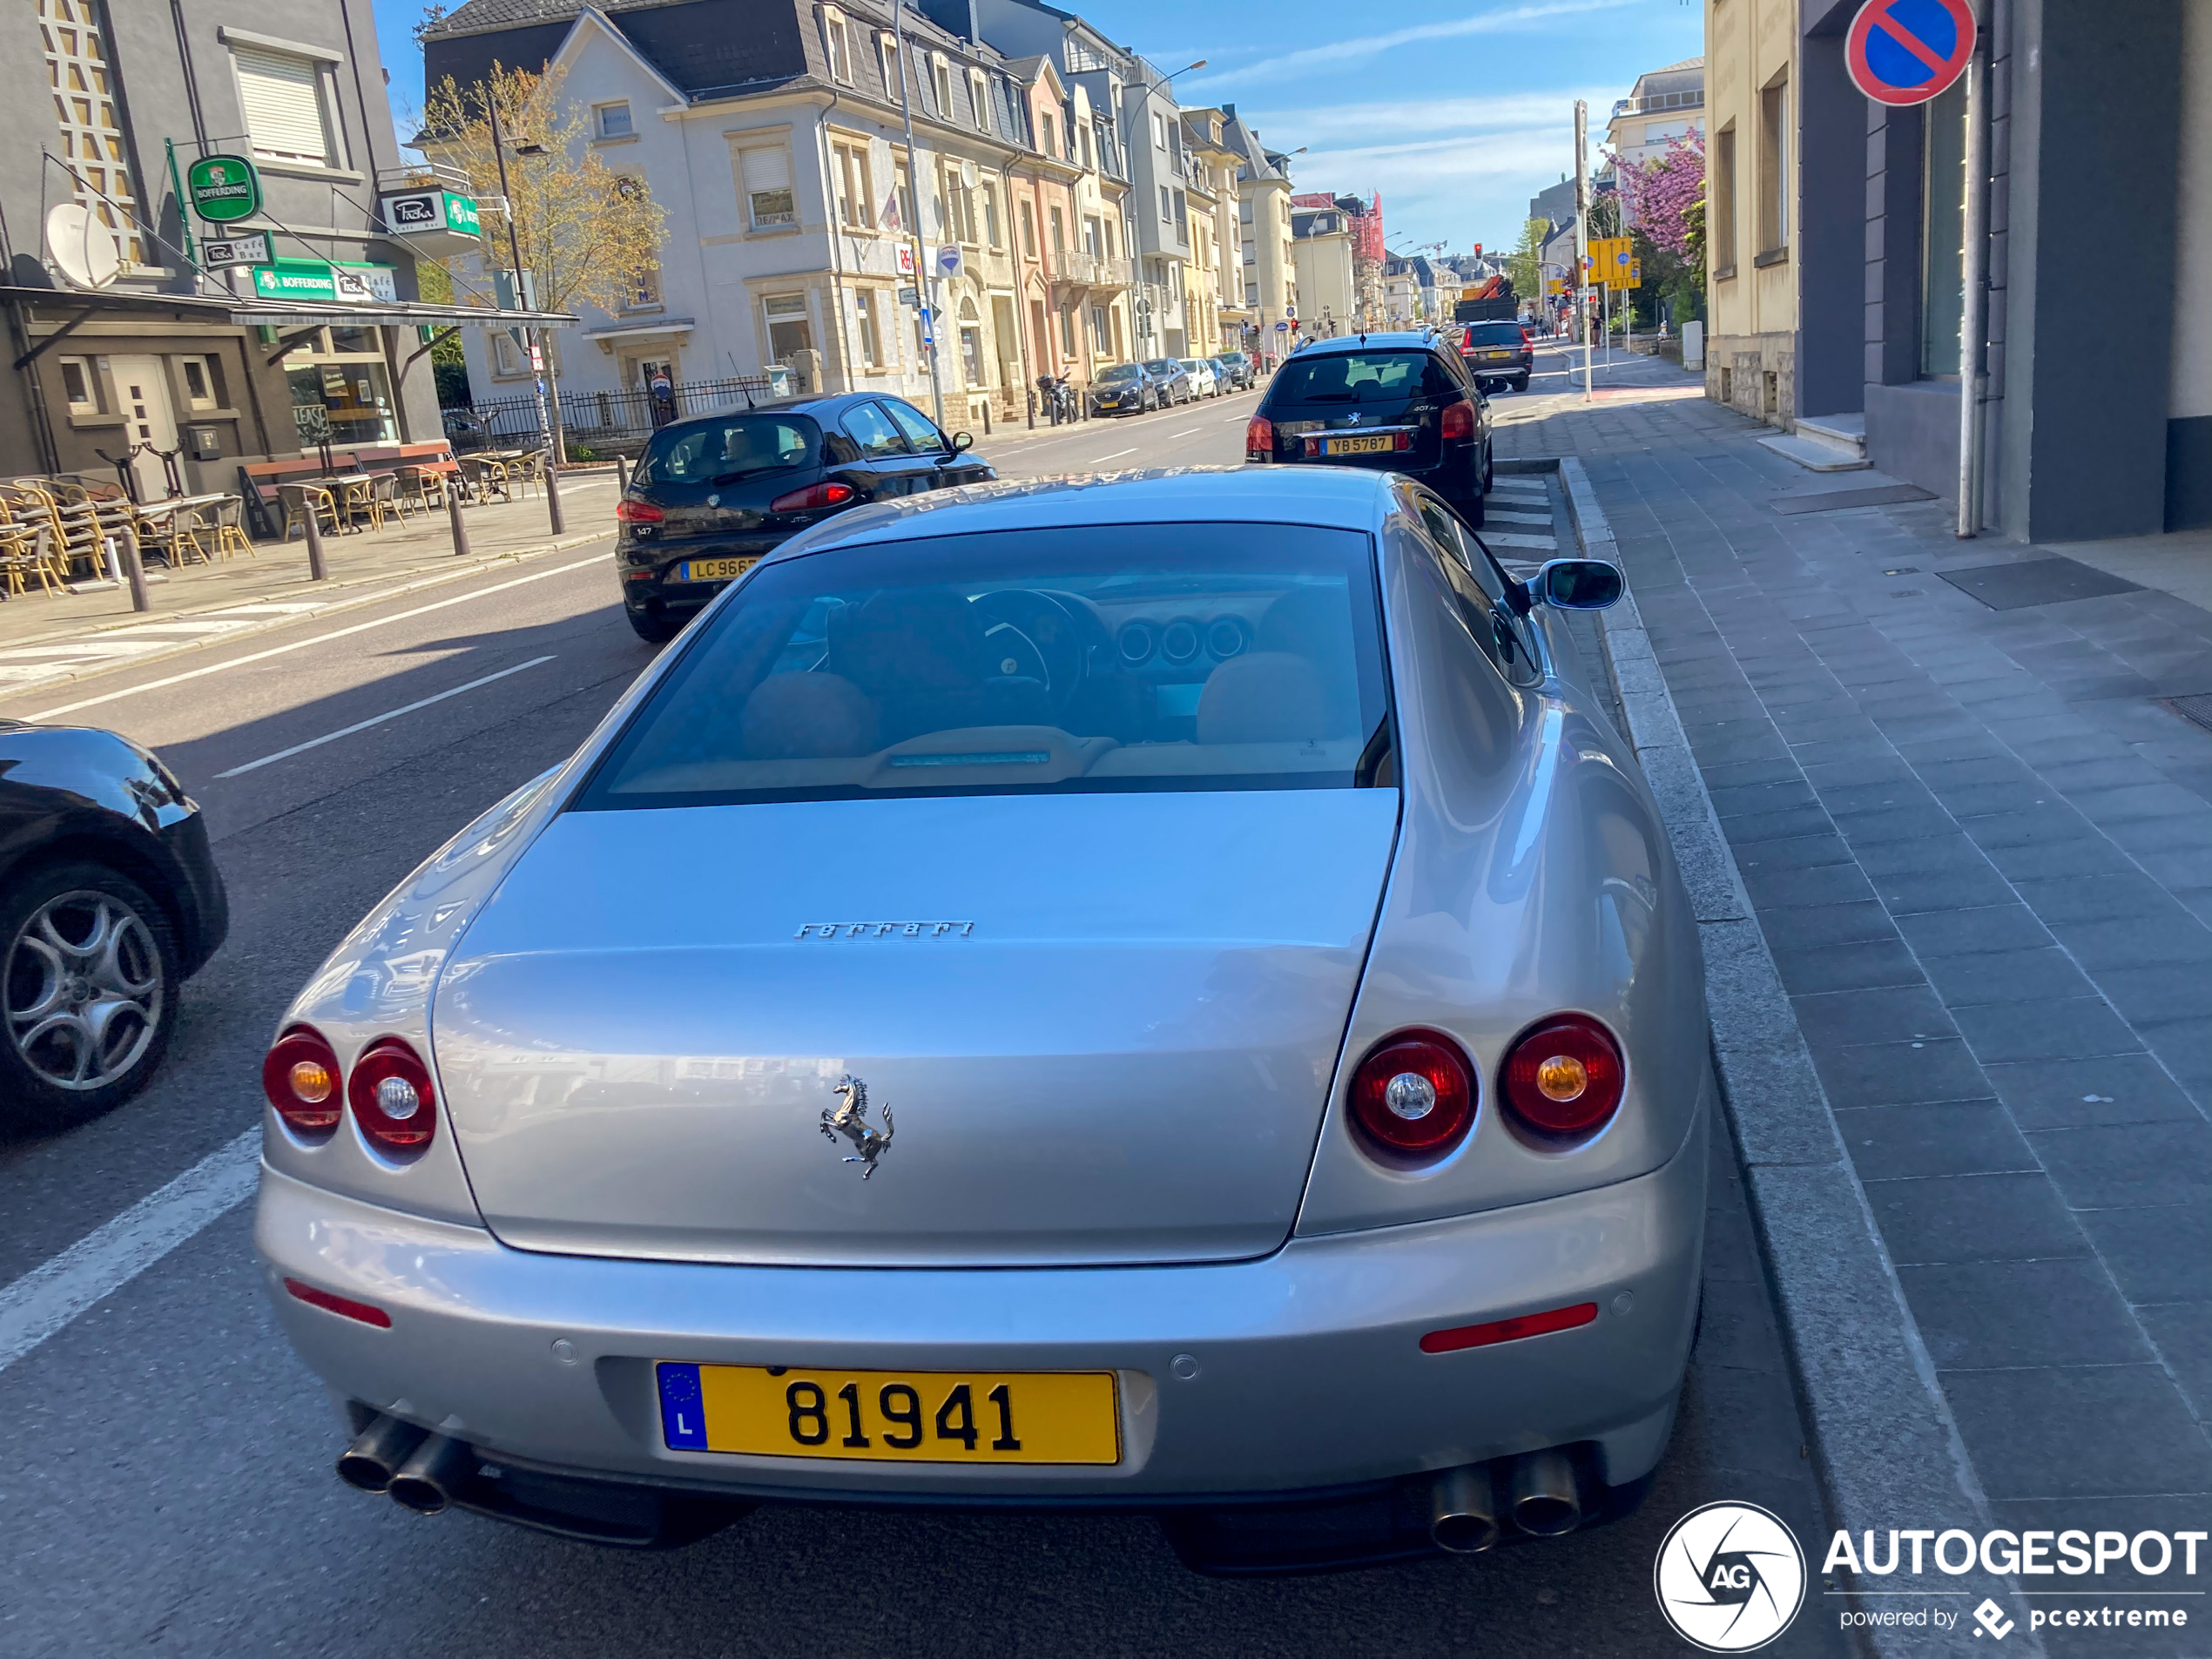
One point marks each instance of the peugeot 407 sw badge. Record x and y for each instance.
(851, 1120)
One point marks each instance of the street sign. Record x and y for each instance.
(1901, 52)
(1611, 259)
(224, 188)
(239, 250)
(910, 296)
(1281, 327)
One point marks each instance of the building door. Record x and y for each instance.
(1039, 337)
(142, 396)
(1002, 335)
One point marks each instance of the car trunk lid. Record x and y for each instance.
(1097, 1028)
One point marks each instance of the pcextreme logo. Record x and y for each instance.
(1730, 1577)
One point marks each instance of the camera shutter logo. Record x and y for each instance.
(1730, 1577)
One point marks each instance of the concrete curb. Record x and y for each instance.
(1884, 1442)
(349, 595)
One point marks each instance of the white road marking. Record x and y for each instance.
(110, 1256)
(378, 719)
(318, 639)
(1186, 432)
(1116, 456)
(1498, 538)
(1504, 517)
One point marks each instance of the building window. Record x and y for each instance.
(199, 382)
(1083, 145)
(978, 95)
(1167, 209)
(91, 131)
(853, 210)
(1029, 230)
(1774, 167)
(1067, 334)
(867, 304)
(1051, 132)
(787, 328)
(282, 94)
(887, 63)
(341, 389)
(612, 120)
(1943, 231)
(1102, 339)
(1159, 130)
(940, 85)
(837, 45)
(902, 188)
(991, 217)
(765, 172)
(1182, 219)
(1059, 241)
(80, 386)
(971, 344)
(645, 289)
(1721, 221)
(956, 217)
(507, 359)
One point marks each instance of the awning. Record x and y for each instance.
(285, 314)
(642, 330)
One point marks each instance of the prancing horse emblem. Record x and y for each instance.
(851, 1120)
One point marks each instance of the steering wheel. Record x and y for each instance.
(1033, 634)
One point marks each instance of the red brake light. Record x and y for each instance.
(346, 1306)
(392, 1098)
(812, 499)
(1459, 420)
(299, 1075)
(1413, 1094)
(1260, 439)
(638, 512)
(1564, 1078)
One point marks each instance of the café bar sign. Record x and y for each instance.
(320, 284)
(434, 221)
(224, 188)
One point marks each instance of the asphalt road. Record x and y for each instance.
(165, 1483)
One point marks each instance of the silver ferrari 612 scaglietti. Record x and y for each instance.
(1159, 993)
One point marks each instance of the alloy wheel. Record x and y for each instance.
(84, 993)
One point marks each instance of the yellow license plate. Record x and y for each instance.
(1368, 446)
(1495, 356)
(714, 569)
(885, 1416)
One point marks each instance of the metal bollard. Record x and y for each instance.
(622, 475)
(134, 572)
(317, 570)
(553, 499)
(453, 517)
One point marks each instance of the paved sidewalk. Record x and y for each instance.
(51, 638)
(1980, 846)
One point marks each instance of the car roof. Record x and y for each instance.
(1395, 339)
(1334, 497)
(820, 405)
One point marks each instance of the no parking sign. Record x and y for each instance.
(1902, 52)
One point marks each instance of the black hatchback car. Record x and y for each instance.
(1125, 389)
(108, 901)
(712, 493)
(1498, 353)
(1399, 402)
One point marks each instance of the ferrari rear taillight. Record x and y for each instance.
(1413, 1097)
(299, 1075)
(1260, 439)
(1563, 1079)
(812, 499)
(393, 1099)
(638, 512)
(1458, 422)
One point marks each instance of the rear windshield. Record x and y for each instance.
(1198, 657)
(1163, 365)
(1495, 334)
(1120, 372)
(1356, 377)
(724, 449)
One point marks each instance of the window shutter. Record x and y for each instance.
(767, 185)
(283, 99)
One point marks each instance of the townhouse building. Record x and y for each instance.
(144, 356)
(1263, 232)
(1322, 255)
(1663, 106)
(1073, 274)
(774, 136)
(1214, 164)
(1751, 191)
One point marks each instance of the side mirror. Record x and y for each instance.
(963, 441)
(1579, 584)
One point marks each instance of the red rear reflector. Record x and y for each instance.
(1524, 1324)
(638, 512)
(812, 499)
(346, 1307)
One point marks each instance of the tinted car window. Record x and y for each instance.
(1358, 377)
(871, 428)
(921, 432)
(1204, 657)
(1121, 372)
(723, 450)
(1164, 366)
(1495, 334)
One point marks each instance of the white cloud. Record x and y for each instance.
(1339, 55)
(1436, 117)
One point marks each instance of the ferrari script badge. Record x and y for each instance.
(851, 1120)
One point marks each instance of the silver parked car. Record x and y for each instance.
(1007, 1010)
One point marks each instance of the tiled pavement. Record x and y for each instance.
(1980, 850)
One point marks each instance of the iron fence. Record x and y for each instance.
(592, 418)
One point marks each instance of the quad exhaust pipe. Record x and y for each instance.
(1542, 1496)
(420, 1471)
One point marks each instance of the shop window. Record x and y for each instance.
(341, 389)
(787, 328)
(286, 113)
(613, 120)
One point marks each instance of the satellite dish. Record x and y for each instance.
(968, 174)
(81, 247)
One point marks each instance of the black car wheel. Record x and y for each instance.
(654, 630)
(1520, 382)
(88, 989)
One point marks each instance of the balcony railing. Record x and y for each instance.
(1083, 270)
(1661, 101)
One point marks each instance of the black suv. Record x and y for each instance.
(1401, 402)
(1234, 368)
(1498, 351)
(714, 492)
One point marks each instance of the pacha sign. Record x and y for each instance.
(224, 188)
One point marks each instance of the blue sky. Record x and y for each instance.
(1457, 115)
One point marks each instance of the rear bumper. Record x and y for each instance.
(645, 571)
(1301, 1370)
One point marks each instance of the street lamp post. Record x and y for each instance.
(552, 428)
